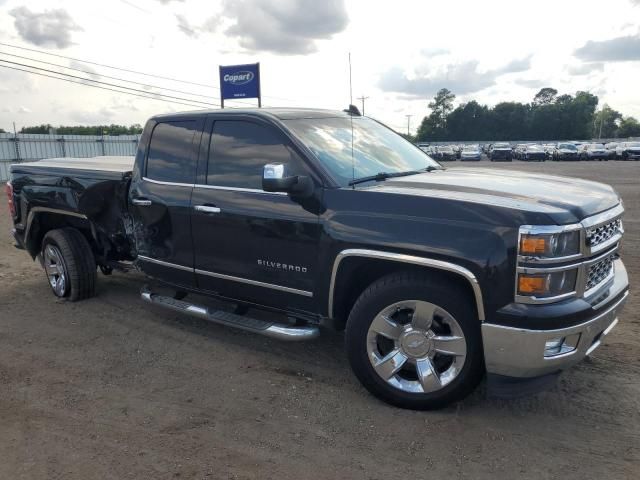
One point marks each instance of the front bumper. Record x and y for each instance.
(520, 352)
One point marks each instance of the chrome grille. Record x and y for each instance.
(599, 271)
(602, 233)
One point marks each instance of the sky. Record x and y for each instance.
(402, 53)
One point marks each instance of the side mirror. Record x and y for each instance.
(275, 179)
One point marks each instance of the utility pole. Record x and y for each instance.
(601, 120)
(362, 99)
(408, 124)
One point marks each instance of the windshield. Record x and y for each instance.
(376, 148)
(501, 146)
(633, 145)
(596, 146)
(567, 146)
(535, 148)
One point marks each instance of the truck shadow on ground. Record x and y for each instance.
(583, 392)
(324, 360)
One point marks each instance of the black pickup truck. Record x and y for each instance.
(325, 218)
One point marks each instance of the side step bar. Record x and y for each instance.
(268, 329)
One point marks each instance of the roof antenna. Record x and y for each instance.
(349, 111)
(350, 86)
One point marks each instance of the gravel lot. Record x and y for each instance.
(108, 388)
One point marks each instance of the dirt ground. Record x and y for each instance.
(109, 388)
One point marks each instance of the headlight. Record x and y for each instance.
(550, 245)
(544, 285)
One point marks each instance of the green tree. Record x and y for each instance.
(606, 122)
(44, 128)
(112, 129)
(434, 126)
(582, 110)
(509, 121)
(2, 130)
(629, 127)
(545, 96)
(468, 122)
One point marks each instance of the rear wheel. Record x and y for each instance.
(69, 264)
(415, 342)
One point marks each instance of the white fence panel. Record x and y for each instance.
(25, 147)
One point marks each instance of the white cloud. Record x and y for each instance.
(427, 44)
(288, 27)
(50, 28)
(620, 49)
(460, 78)
(194, 30)
(585, 68)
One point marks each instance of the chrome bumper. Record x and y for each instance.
(517, 352)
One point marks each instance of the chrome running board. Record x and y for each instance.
(261, 327)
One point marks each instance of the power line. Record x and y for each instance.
(109, 66)
(42, 52)
(111, 84)
(89, 72)
(101, 88)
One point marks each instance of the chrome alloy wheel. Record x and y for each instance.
(416, 346)
(54, 267)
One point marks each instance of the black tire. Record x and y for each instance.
(407, 286)
(77, 261)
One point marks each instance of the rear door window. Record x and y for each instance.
(170, 157)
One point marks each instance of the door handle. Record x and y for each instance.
(206, 209)
(141, 202)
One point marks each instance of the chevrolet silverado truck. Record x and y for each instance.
(330, 219)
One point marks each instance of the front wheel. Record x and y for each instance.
(415, 342)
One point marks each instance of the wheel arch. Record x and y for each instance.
(349, 264)
(43, 219)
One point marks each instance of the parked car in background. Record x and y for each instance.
(446, 153)
(519, 151)
(501, 152)
(594, 151)
(534, 153)
(611, 149)
(548, 150)
(628, 151)
(471, 152)
(565, 151)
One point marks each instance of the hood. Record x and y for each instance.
(565, 200)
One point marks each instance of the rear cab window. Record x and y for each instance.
(170, 157)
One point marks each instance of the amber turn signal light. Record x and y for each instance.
(532, 245)
(532, 284)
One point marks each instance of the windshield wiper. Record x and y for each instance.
(379, 177)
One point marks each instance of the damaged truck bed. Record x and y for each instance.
(91, 193)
